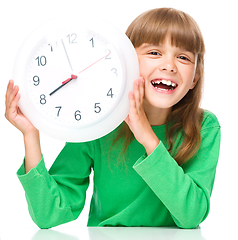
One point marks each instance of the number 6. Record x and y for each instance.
(77, 115)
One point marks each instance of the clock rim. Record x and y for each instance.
(129, 62)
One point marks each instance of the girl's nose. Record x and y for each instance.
(168, 65)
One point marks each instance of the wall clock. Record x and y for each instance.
(74, 75)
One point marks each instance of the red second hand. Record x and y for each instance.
(74, 76)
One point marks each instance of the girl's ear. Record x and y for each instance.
(195, 80)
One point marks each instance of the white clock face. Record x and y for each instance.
(74, 74)
(74, 77)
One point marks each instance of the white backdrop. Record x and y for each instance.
(218, 22)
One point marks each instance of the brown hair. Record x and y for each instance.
(153, 27)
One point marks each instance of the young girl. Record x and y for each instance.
(155, 169)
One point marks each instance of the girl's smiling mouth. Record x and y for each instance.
(163, 85)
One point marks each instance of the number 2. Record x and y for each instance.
(107, 52)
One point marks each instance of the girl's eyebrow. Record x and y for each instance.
(151, 45)
(145, 45)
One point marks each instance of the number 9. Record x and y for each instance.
(36, 80)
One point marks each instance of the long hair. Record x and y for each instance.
(186, 116)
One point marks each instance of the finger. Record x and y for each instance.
(132, 102)
(138, 92)
(13, 98)
(9, 89)
(132, 109)
(13, 93)
(142, 90)
(12, 111)
(15, 101)
(136, 89)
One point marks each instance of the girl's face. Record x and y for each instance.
(169, 73)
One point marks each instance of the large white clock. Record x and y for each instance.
(74, 75)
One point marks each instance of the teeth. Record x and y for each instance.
(156, 82)
(168, 83)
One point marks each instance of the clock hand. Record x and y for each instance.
(74, 76)
(95, 62)
(67, 55)
(64, 83)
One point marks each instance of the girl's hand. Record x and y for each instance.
(13, 113)
(137, 119)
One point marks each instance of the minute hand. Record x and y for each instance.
(74, 76)
(66, 81)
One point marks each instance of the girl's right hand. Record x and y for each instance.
(13, 113)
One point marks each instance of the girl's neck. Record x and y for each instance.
(156, 116)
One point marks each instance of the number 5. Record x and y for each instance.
(97, 108)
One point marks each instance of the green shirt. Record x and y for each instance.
(146, 191)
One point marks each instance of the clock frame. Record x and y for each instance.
(74, 75)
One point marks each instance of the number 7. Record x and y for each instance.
(58, 110)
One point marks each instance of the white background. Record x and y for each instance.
(218, 22)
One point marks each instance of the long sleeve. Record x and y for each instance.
(148, 191)
(184, 190)
(58, 196)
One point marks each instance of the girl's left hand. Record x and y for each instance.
(137, 119)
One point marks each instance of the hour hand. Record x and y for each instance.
(64, 83)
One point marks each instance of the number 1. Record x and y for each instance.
(92, 42)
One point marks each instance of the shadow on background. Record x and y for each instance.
(121, 233)
(144, 233)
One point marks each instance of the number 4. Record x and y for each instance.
(110, 94)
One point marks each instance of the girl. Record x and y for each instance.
(157, 168)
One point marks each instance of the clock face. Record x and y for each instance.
(74, 77)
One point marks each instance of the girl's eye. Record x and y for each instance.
(154, 53)
(184, 58)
